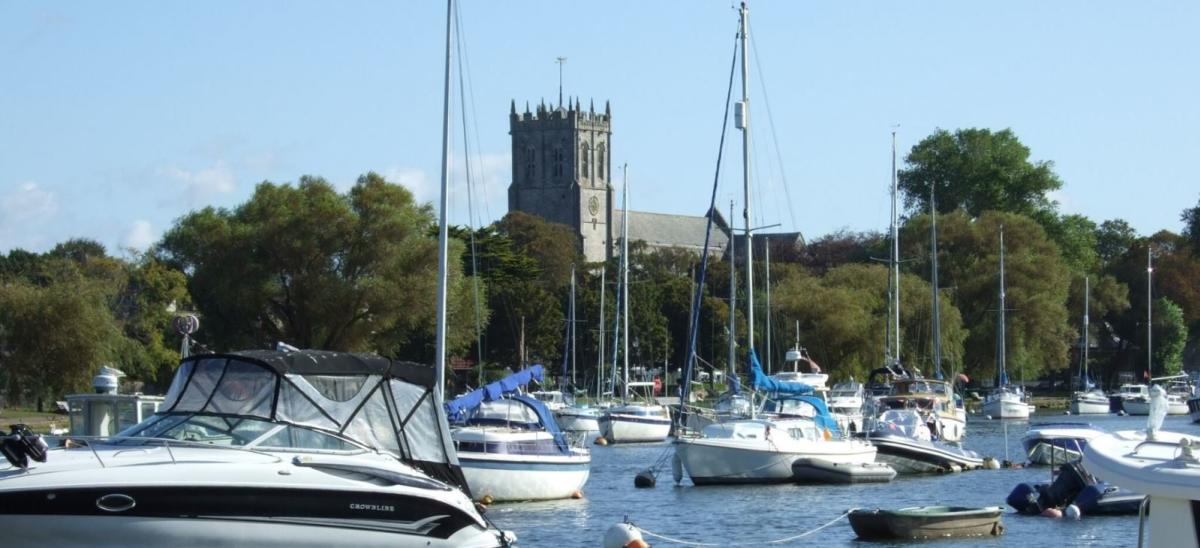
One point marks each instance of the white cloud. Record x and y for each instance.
(139, 236)
(201, 186)
(490, 173)
(414, 179)
(26, 210)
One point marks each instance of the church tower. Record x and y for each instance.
(561, 170)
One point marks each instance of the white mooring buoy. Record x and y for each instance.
(624, 535)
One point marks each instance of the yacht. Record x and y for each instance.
(1176, 397)
(570, 415)
(933, 399)
(845, 402)
(1090, 400)
(904, 440)
(1135, 398)
(260, 448)
(510, 447)
(1165, 467)
(1007, 402)
(635, 423)
(1058, 442)
(763, 449)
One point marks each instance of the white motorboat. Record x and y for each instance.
(1177, 401)
(260, 448)
(1135, 398)
(635, 423)
(845, 403)
(933, 399)
(1178, 393)
(903, 440)
(762, 450)
(1058, 442)
(1091, 402)
(510, 447)
(1006, 403)
(1164, 466)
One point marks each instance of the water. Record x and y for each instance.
(759, 513)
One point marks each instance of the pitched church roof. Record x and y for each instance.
(676, 231)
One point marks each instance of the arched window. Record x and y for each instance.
(600, 161)
(530, 162)
(584, 154)
(560, 161)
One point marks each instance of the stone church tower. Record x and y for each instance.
(561, 169)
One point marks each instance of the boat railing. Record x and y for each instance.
(116, 445)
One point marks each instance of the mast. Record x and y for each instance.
(732, 299)
(895, 262)
(600, 352)
(1149, 312)
(625, 282)
(937, 311)
(1000, 335)
(768, 338)
(572, 325)
(1087, 293)
(443, 230)
(742, 116)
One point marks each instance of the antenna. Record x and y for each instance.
(560, 61)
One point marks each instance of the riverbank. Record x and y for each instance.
(41, 423)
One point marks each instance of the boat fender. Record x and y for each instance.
(1072, 512)
(677, 468)
(577, 494)
(991, 463)
(1052, 513)
(624, 535)
(486, 500)
(601, 440)
(645, 478)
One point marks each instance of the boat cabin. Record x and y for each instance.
(106, 412)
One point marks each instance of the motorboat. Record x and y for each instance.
(927, 522)
(1135, 398)
(845, 401)
(1176, 396)
(1058, 442)
(762, 450)
(904, 441)
(260, 448)
(106, 412)
(1161, 464)
(635, 423)
(1006, 402)
(510, 447)
(1089, 402)
(1073, 484)
(933, 399)
(552, 399)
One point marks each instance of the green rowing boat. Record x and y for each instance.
(927, 522)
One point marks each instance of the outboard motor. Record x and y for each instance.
(21, 445)
(1024, 499)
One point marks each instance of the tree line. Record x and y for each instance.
(355, 271)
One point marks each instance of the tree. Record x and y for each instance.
(977, 170)
(1114, 237)
(1191, 226)
(1170, 337)
(311, 267)
(1077, 241)
(841, 247)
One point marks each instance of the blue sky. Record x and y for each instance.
(118, 117)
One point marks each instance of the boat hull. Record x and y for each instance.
(510, 478)
(577, 422)
(1136, 407)
(1194, 409)
(1084, 407)
(619, 428)
(733, 461)
(926, 523)
(820, 471)
(1006, 409)
(909, 456)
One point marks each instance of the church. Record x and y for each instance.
(562, 172)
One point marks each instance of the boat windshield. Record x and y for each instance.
(244, 432)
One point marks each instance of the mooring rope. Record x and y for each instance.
(756, 543)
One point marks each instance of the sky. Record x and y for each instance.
(119, 117)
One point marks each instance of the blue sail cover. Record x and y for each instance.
(456, 409)
(547, 420)
(761, 381)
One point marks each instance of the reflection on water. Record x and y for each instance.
(768, 512)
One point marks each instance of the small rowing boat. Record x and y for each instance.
(927, 522)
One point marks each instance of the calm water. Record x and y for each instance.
(727, 514)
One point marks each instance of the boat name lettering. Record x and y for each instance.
(376, 507)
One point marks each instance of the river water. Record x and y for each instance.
(759, 513)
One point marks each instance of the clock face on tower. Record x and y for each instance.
(594, 205)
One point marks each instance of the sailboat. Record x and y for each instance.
(762, 449)
(571, 416)
(1089, 400)
(1178, 389)
(1006, 401)
(631, 421)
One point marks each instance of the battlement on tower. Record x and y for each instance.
(572, 115)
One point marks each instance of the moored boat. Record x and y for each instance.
(822, 471)
(927, 522)
(1058, 442)
(903, 441)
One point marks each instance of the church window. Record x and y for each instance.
(600, 161)
(584, 154)
(530, 162)
(560, 161)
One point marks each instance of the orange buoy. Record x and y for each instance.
(487, 500)
(601, 441)
(577, 494)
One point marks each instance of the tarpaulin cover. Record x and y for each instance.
(457, 408)
(761, 381)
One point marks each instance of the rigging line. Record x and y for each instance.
(774, 136)
(753, 543)
(470, 199)
(470, 91)
(697, 298)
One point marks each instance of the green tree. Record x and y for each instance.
(978, 170)
(1170, 337)
(311, 267)
(1114, 238)
(1191, 226)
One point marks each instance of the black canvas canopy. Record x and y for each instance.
(324, 362)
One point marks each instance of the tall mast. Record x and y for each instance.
(895, 262)
(732, 298)
(600, 351)
(937, 311)
(572, 325)
(1087, 293)
(768, 338)
(1000, 335)
(443, 231)
(625, 281)
(742, 117)
(1149, 313)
